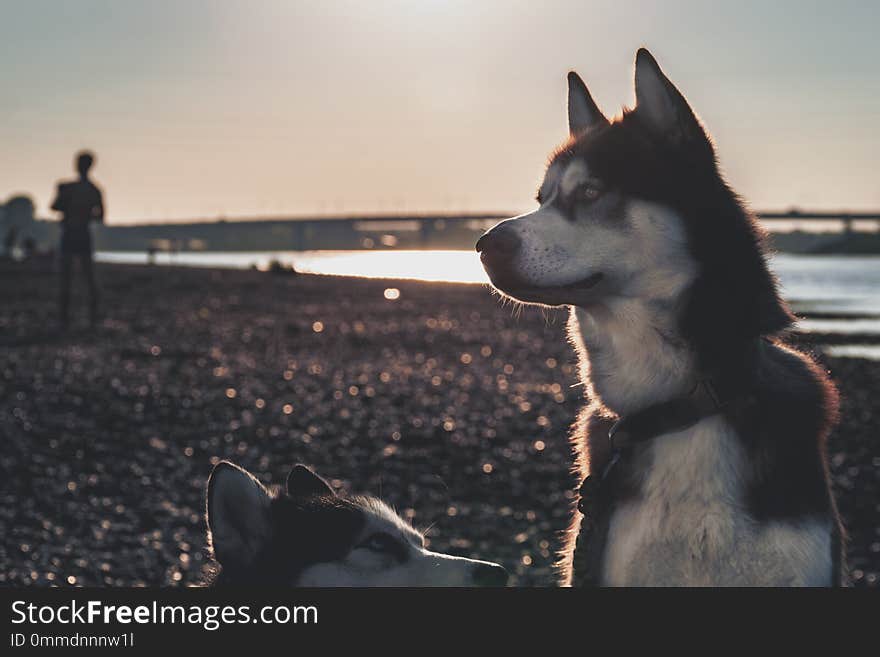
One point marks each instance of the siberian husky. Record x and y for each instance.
(309, 536)
(676, 320)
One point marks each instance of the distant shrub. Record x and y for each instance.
(278, 267)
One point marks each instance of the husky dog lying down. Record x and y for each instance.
(306, 535)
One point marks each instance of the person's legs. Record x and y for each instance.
(89, 271)
(64, 298)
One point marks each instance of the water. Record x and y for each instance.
(869, 351)
(451, 266)
(843, 290)
(841, 285)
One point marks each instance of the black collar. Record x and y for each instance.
(706, 398)
(709, 396)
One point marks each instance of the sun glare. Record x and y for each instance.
(450, 266)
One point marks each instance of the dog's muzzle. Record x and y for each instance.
(498, 251)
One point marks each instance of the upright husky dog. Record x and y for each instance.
(308, 536)
(725, 480)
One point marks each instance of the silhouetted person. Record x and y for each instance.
(80, 203)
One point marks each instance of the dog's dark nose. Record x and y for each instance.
(501, 241)
(490, 574)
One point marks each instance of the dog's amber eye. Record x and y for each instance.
(384, 543)
(380, 542)
(589, 191)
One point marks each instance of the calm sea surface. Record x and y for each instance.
(844, 288)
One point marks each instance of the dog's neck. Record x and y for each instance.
(631, 354)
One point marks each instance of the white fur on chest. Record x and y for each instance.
(689, 526)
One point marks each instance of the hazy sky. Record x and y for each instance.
(203, 108)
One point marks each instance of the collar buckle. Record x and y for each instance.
(613, 431)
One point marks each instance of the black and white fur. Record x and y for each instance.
(309, 536)
(664, 270)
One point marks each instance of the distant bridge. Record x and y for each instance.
(370, 232)
(847, 219)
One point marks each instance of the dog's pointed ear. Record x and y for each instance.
(583, 112)
(303, 482)
(660, 105)
(238, 516)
